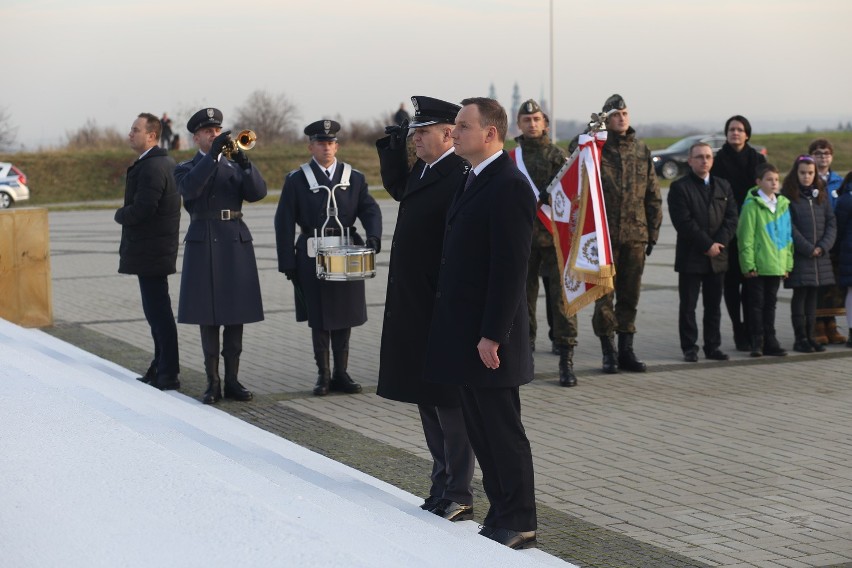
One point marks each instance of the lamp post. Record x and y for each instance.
(552, 99)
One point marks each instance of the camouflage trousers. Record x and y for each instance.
(543, 263)
(629, 260)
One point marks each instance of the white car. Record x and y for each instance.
(13, 185)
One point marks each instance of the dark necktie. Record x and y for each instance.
(327, 174)
(470, 177)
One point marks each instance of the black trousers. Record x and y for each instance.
(493, 420)
(452, 455)
(157, 307)
(804, 301)
(762, 297)
(736, 291)
(232, 341)
(337, 338)
(689, 287)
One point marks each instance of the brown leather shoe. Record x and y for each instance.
(834, 337)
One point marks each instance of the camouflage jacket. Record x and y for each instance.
(542, 159)
(632, 195)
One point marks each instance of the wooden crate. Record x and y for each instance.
(25, 286)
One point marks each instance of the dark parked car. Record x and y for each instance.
(671, 162)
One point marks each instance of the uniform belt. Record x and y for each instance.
(222, 215)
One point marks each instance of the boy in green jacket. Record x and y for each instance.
(765, 238)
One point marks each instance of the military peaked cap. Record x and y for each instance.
(432, 111)
(203, 118)
(323, 130)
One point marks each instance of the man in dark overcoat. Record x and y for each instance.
(479, 335)
(150, 224)
(704, 214)
(424, 192)
(219, 284)
(331, 308)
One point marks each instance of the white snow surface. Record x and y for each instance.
(98, 469)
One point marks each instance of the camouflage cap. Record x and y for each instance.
(615, 102)
(529, 107)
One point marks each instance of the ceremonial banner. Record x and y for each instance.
(543, 210)
(580, 230)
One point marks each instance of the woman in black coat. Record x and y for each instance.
(814, 231)
(737, 162)
(843, 214)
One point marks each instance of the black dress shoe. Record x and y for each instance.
(429, 503)
(166, 383)
(716, 355)
(690, 356)
(775, 351)
(516, 540)
(453, 511)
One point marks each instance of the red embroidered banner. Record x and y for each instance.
(580, 229)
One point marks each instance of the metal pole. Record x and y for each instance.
(552, 100)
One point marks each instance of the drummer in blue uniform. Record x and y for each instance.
(219, 283)
(331, 308)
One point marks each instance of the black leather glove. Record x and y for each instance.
(290, 274)
(219, 143)
(398, 134)
(648, 249)
(242, 160)
(375, 244)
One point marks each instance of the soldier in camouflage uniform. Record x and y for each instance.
(539, 159)
(634, 214)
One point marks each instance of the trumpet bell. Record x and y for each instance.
(246, 140)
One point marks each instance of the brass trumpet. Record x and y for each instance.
(244, 141)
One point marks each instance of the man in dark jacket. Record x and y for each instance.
(479, 335)
(219, 284)
(331, 308)
(150, 222)
(704, 214)
(424, 192)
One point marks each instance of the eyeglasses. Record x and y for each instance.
(804, 158)
(817, 153)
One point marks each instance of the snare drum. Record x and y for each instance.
(347, 262)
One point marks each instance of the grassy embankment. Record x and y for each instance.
(63, 176)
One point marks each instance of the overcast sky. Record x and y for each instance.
(677, 61)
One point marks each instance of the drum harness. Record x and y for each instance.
(316, 242)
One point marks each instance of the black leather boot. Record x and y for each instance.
(810, 335)
(801, 343)
(340, 379)
(323, 373)
(610, 364)
(233, 389)
(213, 394)
(757, 346)
(626, 357)
(567, 378)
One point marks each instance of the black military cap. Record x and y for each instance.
(529, 107)
(432, 111)
(323, 130)
(615, 102)
(204, 117)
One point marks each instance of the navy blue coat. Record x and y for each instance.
(413, 275)
(150, 217)
(327, 305)
(814, 226)
(219, 283)
(843, 214)
(482, 282)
